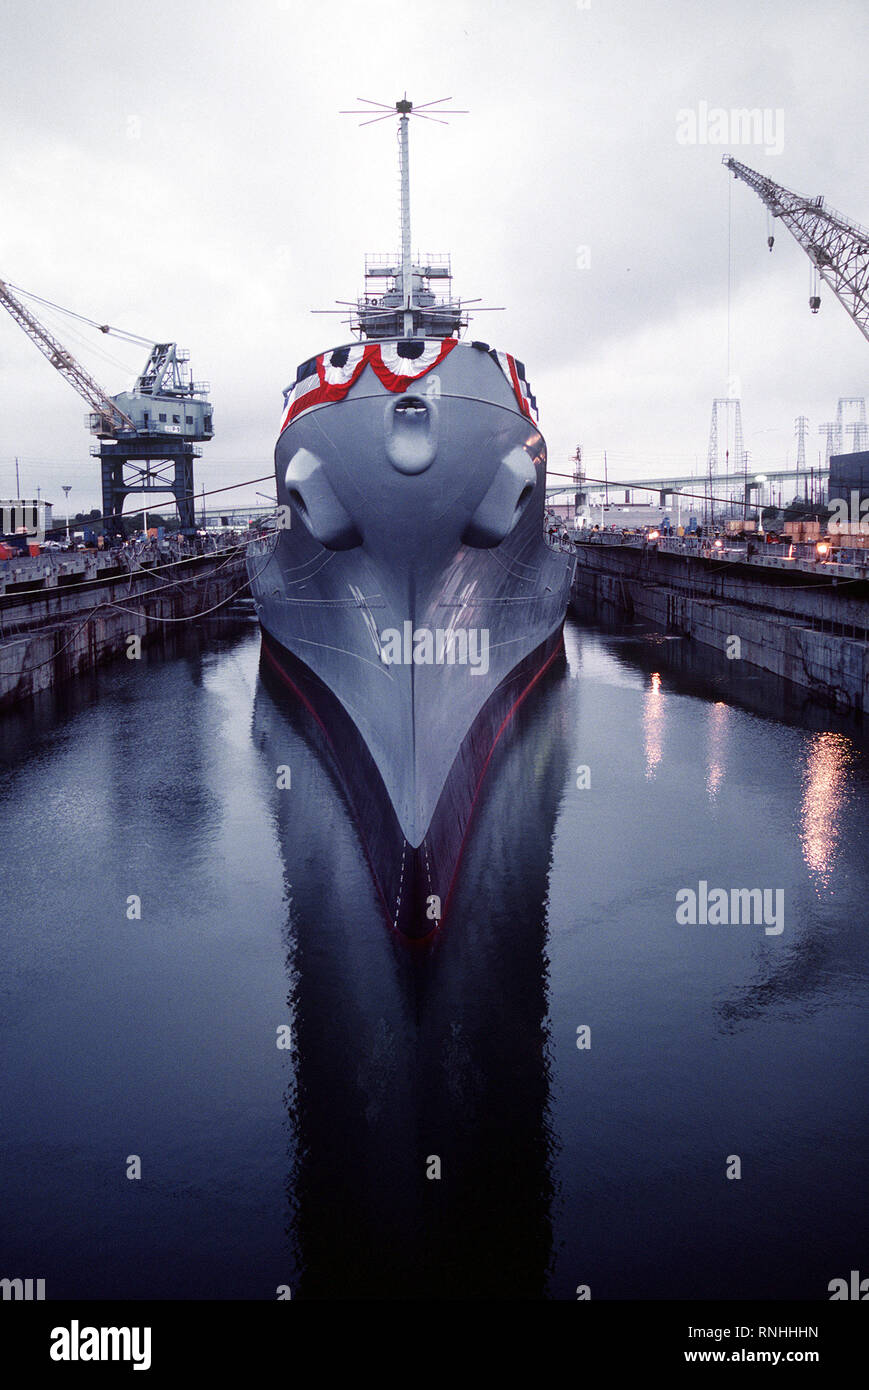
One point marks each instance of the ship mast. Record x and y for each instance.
(408, 307)
(404, 108)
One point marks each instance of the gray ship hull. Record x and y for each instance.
(411, 601)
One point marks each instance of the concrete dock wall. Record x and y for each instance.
(811, 633)
(49, 637)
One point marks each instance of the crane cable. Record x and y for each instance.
(729, 284)
(103, 327)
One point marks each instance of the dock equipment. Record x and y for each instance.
(838, 249)
(147, 436)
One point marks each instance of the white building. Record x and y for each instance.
(25, 513)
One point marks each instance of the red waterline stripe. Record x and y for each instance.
(506, 720)
(311, 710)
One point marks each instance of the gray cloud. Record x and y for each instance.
(184, 171)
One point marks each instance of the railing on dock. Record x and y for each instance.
(67, 569)
(781, 554)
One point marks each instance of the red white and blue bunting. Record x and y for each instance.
(514, 371)
(397, 370)
(329, 377)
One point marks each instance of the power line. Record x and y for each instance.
(641, 487)
(195, 494)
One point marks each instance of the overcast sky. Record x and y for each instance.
(182, 171)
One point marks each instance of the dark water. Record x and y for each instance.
(560, 1166)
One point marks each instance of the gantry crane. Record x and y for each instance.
(837, 248)
(148, 435)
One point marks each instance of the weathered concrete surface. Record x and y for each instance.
(49, 637)
(48, 570)
(810, 632)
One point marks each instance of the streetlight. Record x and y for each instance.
(761, 479)
(67, 489)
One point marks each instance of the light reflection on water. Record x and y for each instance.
(717, 755)
(654, 714)
(825, 791)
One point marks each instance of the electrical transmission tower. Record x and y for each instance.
(801, 426)
(837, 248)
(733, 459)
(829, 429)
(723, 434)
(856, 426)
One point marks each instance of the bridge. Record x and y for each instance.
(725, 487)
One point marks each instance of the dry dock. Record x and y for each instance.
(61, 615)
(801, 618)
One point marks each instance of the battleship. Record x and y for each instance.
(408, 596)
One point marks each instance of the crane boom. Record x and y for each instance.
(838, 248)
(111, 418)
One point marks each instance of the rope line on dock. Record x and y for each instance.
(188, 618)
(191, 617)
(142, 569)
(137, 612)
(23, 641)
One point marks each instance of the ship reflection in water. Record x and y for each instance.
(419, 1108)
